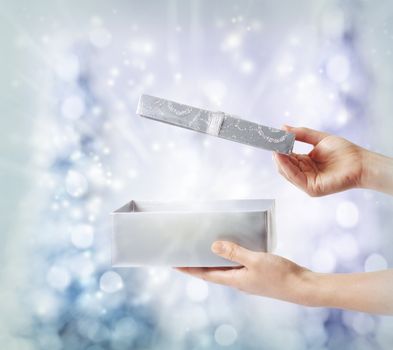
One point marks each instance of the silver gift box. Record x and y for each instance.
(181, 233)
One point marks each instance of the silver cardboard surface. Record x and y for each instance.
(220, 124)
(160, 233)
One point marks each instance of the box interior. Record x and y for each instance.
(197, 206)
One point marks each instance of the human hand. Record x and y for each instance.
(276, 277)
(260, 274)
(333, 165)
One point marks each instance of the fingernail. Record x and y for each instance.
(218, 247)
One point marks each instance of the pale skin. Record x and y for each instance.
(333, 165)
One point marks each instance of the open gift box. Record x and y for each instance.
(180, 233)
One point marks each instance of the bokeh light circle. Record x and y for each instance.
(225, 335)
(375, 262)
(111, 282)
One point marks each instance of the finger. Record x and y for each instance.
(294, 160)
(218, 275)
(292, 172)
(280, 169)
(286, 165)
(306, 135)
(224, 268)
(286, 176)
(234, 252)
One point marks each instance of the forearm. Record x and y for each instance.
(377, 172)
(370, 292)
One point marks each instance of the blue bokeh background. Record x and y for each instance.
(72, 150)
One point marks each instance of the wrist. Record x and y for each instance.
(368, 159)
(314, 289)
(377, 172)
(307, 291)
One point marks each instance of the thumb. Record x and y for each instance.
(233, 252)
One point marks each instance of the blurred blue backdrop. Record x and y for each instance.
(72, 150)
